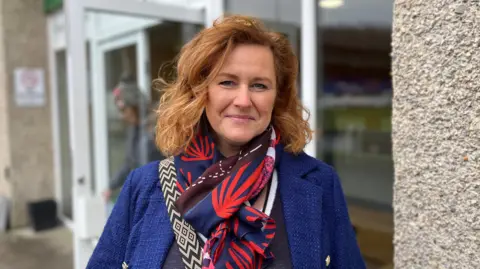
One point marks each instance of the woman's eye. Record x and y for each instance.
(227, 83)
(259, 86)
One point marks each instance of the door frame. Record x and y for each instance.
(55, 45)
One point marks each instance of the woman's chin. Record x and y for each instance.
(239, 139)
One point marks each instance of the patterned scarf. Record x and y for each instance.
(215, 196)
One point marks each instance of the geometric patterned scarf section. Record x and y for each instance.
(215, 196)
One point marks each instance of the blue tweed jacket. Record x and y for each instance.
(319, 232)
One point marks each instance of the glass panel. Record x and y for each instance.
(118, 63)
(64, 135)
(354, 114)
(90, 116)
(166, 40)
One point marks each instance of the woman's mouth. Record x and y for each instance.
(240, 118)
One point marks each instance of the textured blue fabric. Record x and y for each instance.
(139, 232)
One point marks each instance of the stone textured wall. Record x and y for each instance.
(30, 131)
(436, 133)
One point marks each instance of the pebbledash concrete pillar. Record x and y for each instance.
(436, 133)
(26, 162)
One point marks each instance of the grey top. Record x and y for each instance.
(279, 244)
(138, 140)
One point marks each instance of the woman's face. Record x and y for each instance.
(129, 115)
(242, 96)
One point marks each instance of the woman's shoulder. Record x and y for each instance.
(145, 174)
(318, 164)
(143, 180)
(142, 189)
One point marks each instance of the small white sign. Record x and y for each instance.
(29, 87)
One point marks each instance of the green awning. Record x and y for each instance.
(52, 5)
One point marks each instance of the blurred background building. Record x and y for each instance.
(61, 137)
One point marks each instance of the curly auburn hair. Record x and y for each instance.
(184, 99)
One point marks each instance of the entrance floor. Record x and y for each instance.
(25, 249)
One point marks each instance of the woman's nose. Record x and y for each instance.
(242, 97)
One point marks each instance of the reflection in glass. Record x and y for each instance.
(356, 107)
(130, 125)
(355, 110)
(118, 62)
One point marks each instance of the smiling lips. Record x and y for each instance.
(240, 118)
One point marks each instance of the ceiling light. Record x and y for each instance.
(330, 3)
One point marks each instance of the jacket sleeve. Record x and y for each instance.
(110, 250)
(345, 251)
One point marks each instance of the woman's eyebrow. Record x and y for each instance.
(263, 79)
(233, 76)
(229, 75)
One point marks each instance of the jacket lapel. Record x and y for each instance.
(302, 204)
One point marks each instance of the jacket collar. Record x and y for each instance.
(298, 165)
(302, 204)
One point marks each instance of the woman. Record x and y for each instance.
(239, 190)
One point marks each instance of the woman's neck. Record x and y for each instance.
(228, 149)
(225, 147)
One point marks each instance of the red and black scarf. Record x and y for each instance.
(215, 196)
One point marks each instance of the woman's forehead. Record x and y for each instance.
(252, 60)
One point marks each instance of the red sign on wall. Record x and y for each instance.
(29, 87)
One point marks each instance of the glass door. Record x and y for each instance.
(120, 75)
